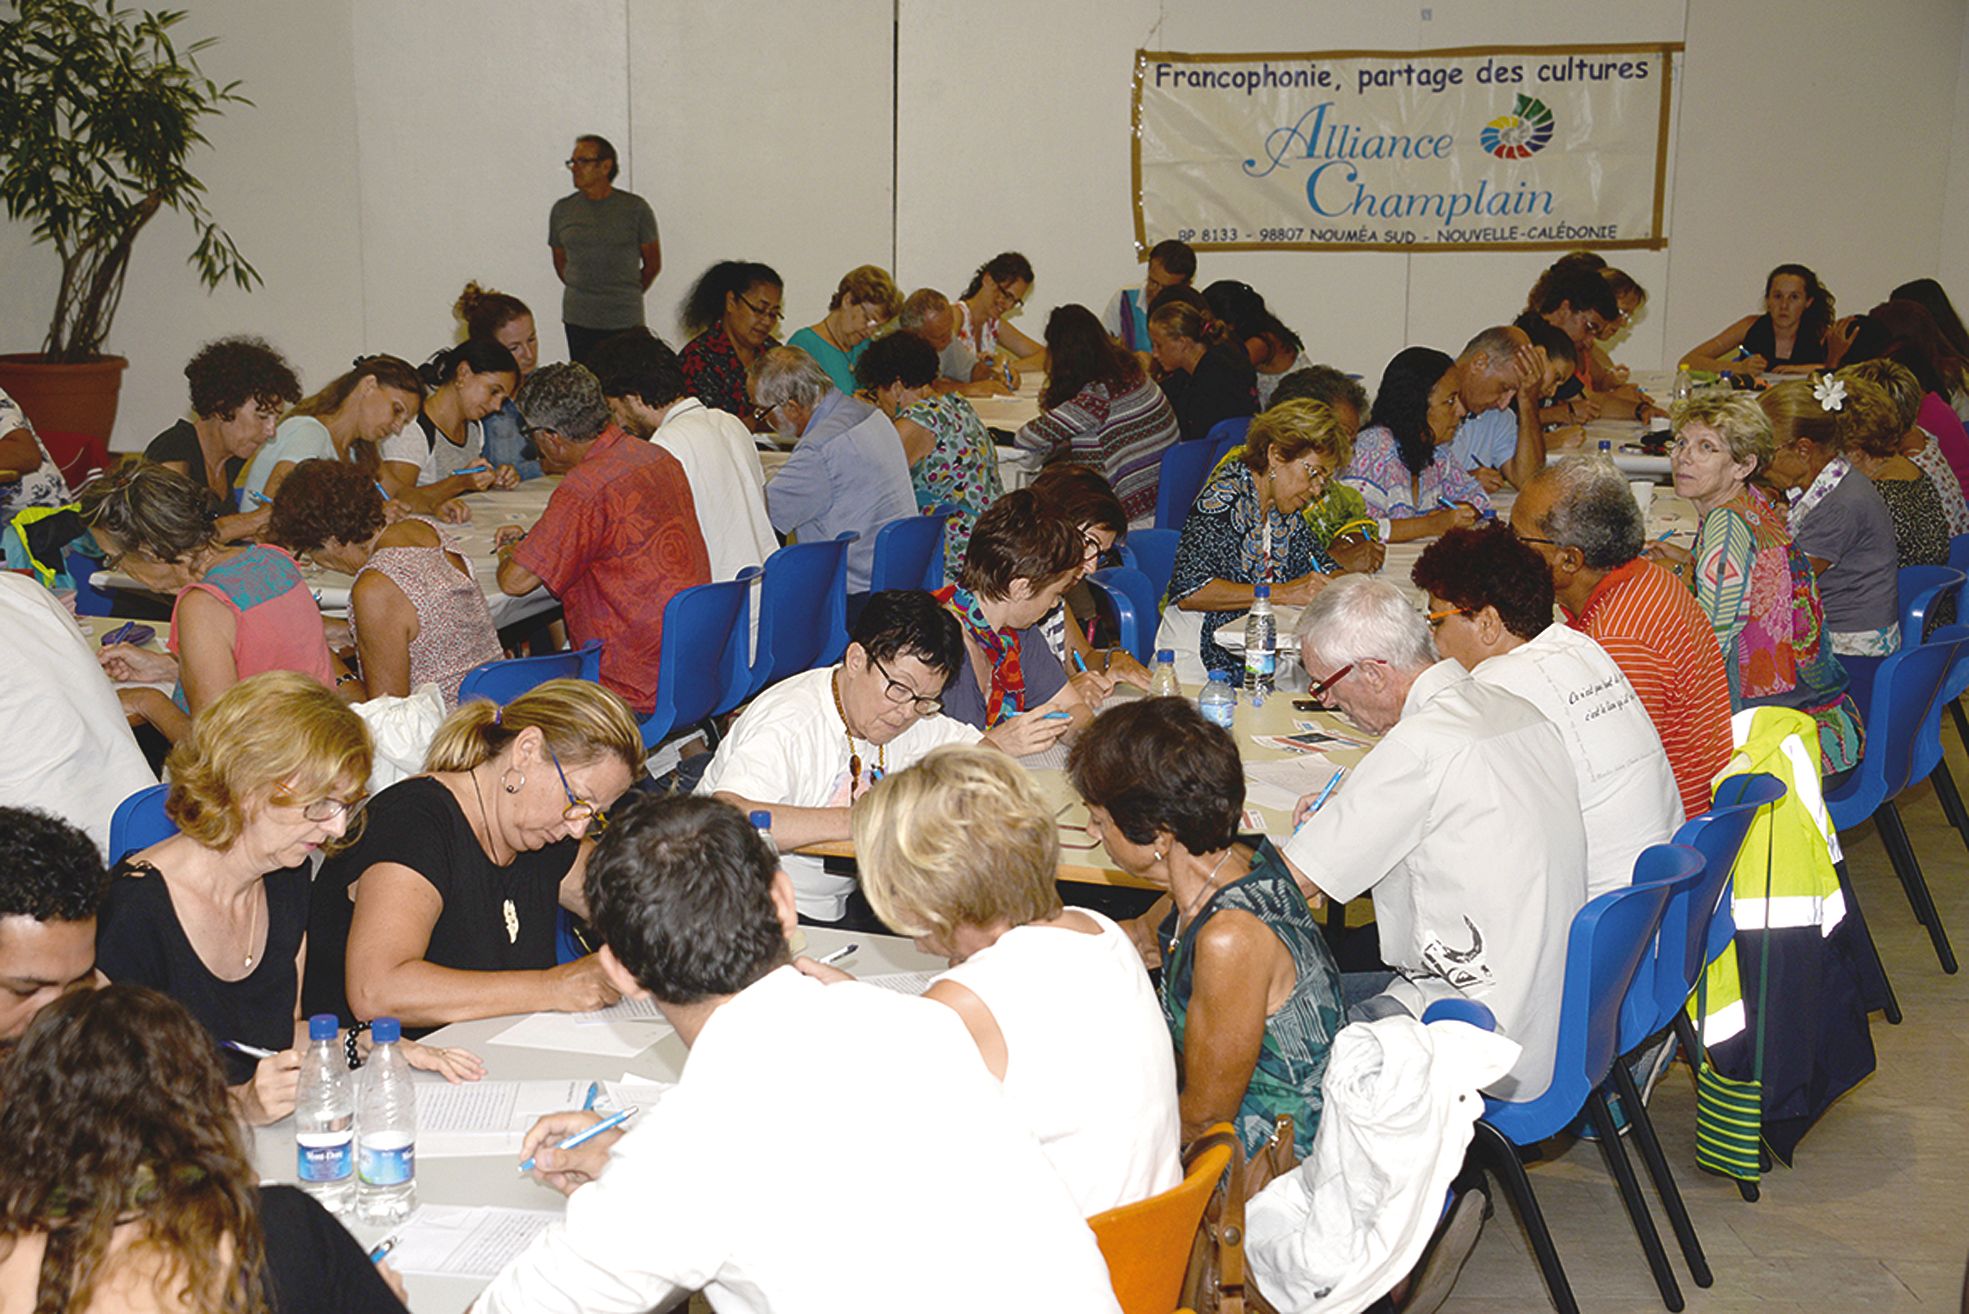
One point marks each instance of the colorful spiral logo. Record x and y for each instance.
(1525, 131)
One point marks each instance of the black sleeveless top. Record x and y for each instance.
(1761, 340)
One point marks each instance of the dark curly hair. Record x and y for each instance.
(1005, 267)
(1489, 567)
(1155, 764)
(900, 358)
(1401, 403)
(114, 1110)
(49, 870)
(323, 500)
(230, 372)
(705, 305)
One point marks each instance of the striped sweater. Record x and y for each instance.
(1659, 637)
(1121, 436)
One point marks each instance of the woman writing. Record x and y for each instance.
(442, 455)
(237, 611)
(951, 458)
(1274, 349)
(1790, 337)
(1917, 444)
(416, 612)
(1079, 495)
(346, 421)
(507, 321)
(216, 916)
(1246, 530)
(1100, 409)
(865, 300)
(1837, 517)
(238, 387)
(127, 1187)
(1020, 560)
(1249, 988)
(996, 291)
(730, 314)
(1205, 375)
(1753, 581)
(1399, 462)
(445, 909)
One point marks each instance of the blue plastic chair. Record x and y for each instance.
(1922, 590)
(1154, 552)
(1458, 1009)
(1903, 726)
(1134, 602)
(506, 679)
(1958, 679)
(704, 668)
(139, 822)
(89, 600)
(1226, 434)
(803, 610)
(1609, 941)
(1179, 479)
(909, 553)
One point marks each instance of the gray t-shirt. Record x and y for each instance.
(1851, 529)
(603, 240)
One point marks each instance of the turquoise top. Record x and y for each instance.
(839, 364)
(299, 438)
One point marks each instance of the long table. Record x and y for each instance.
(494, 1179)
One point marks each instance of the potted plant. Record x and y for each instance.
(98, 114)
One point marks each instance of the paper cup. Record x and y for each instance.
(1644, 494)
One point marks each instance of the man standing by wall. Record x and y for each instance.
(605, 249)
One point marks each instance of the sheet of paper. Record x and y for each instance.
(614, 1038)
(486, 1117)
(903, 983)
(1278, 785)
(468, 1241)
(631, 1091)
(623, 1010)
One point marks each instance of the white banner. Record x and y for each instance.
(1494, 148)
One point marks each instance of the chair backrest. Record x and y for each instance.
(89, 600)
(1663, 865)
(1155, 555)
(1907, 702)
(1226, 434)
(139, 822)
(1927, 749)
(1922, 590)
(909, 553)
(803, 610)
(1458, 1009)
(1179, 479)
(1718, 835)
(1958, 552)
(1147, 1244)
(504, 680)
(704, 665)
(1133, 598)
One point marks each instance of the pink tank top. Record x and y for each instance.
(277, 621)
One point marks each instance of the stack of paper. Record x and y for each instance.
(620, 1031)
(465, 1241)
(906, 983)
(1279, 785)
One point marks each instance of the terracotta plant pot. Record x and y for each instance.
(65, 398)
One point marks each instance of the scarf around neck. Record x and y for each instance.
(1007, 695)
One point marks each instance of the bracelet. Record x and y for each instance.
(349, 1044)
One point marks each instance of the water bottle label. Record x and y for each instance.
(1261, 662)
(1222, 714)
(387, 1161)
(324, 1156)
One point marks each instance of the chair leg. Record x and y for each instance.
(1961, 722)
(1900, 852)
(1891, 1004)
(1685, 1031)
(1500, 1157)
(1657, 1163)
(1630, 1194)
(1951, 800)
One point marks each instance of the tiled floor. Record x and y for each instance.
(1873, 1217)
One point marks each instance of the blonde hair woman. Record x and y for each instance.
(216, 916)
(1917, 444)
(960, 851)
(865, 300)
(445, 910)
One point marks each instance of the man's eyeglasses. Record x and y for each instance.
(1529, 539)
(578, 809)
(899, 693)
(1318, 692)
(584, 159)
(772, 313)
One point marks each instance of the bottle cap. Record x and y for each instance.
(761, 820)
(322, 1026)
(1262, 591)
(386, 1031)
(1220, 677)
(1165, 654)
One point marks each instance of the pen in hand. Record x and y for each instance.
(837, 955)
(383, 1247)
(609, 1123)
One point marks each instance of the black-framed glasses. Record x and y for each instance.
(773, 313)
(578, 809)
(899, 693)
(1011, 296)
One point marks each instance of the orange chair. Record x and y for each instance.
(1148, 1244)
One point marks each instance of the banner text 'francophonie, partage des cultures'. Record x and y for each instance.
(1525, 147)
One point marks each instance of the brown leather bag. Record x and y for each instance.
(1215, 1282)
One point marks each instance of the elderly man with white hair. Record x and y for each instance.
(848, 470)
(1463, 822)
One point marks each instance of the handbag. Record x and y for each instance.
(1215, 1281)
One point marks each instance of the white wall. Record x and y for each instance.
(397, 150)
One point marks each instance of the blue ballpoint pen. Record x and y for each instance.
(1320, 802)
(383, 1247)
(609, 1123)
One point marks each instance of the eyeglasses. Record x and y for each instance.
(1318, 692)
(327, 809)
(772, 313)
(1436, 618)
(578, 809)
(899, 693)
(1528, 539)
(584, 159)
(1011, 296)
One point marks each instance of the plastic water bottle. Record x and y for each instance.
(1218, 701)
(386, 1130)
(1606, 448)
(325, 1119)
(1162, 680)
(1260, 645)
(762, 821)
(1685, 386)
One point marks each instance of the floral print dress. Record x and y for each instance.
(961, 470)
